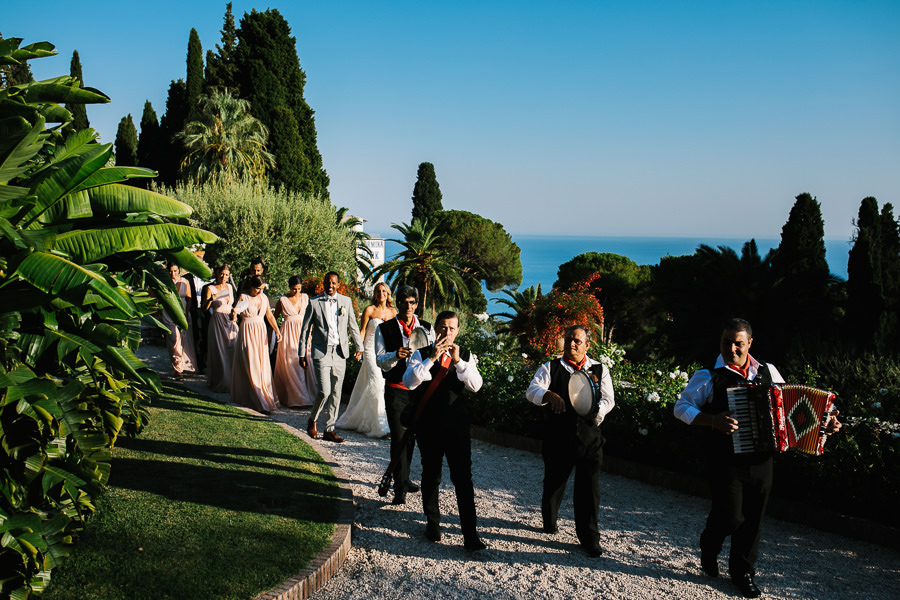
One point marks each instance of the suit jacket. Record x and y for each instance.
(315, 324)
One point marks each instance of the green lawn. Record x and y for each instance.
(208, 502)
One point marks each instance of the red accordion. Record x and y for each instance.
(777, 417)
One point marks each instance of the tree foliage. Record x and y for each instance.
(126, 142)
(79, 111)
(171, 151)
(221, 71)
(149, 138)
(79, 253)
(426, 196)
(225, 143)
(294, 234)
(270, 77)
(623, 291)
(194, 81)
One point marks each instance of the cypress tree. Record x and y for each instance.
(126, 143)
(148, 141)
(194, 72)
(220, 67)
(426, 196)
(800, 305)
(79, 111)
(865, 291)
(270, 77)
(890, 278)
(171, 152)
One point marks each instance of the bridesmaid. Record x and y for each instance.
(251, 370)
(180, 341)
(365, 412)
(292, 382)
(222, 330)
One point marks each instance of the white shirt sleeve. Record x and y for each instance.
(384, 359)
(607, 398)
(418, 371)
(697, 393)
(539, 385)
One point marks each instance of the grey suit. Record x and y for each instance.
(329, 360)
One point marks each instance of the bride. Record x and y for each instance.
(365, 411)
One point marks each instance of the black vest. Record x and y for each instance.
(446, 405)
(569, 425)
(721, 447)
(393, 341)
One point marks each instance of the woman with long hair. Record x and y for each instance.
(251, 370)
(222, 331)
(365, 412)
(294, 385)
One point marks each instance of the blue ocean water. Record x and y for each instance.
(542, 254)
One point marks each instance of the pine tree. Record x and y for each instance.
(194, 72)
(170, 151)
(270, 77)
(220, 68)
(426, 196)
(79, 111)
(148, 141)
(126, 143)
(865, 290)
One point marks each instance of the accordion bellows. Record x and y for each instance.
(777, 417)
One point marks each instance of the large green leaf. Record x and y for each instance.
(161, 287)
(188, 261)
(60, 90)
(56, 275)
(60, 178)
(118, 199)
(19, 143)
(11, 54)
(114, 175)
(91, 245)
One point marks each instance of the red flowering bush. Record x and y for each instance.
(560, 309)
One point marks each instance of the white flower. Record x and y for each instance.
(672, 375)
(684, 376)
(524, 355)
(510, 378)
(658, 372)
(653, 397)
(882, 391)
(499, 344)
(643, 431)
(876, 404)
(482, 317)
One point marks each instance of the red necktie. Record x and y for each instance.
(577, 366)
(407, 329)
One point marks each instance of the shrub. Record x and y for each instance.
(293, 233)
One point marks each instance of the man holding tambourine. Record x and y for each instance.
(577, 393)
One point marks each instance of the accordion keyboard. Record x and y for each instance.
(744, 411)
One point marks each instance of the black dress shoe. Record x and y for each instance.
(399, 498)
(592, 550)
(551, 528)
(411, 487)
(473, 543)
(709, 564)
(433, 532)
(747, 586)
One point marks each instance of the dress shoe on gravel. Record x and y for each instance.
(399, 498)
(551, 528)
(592, 550)
(433, 532)
(747, 586)
(311, 430)
(332, 437)
(411, 487)
(709, 564)
(473, 544)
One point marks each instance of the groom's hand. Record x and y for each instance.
(358, 356)
(303, 361)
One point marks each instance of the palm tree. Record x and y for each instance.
(425, 264)
(226, 142)
(361, 250)
(522, 302)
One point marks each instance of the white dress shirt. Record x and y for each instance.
(699, 390)
(418, 371)
(331, 315)
(540, 384)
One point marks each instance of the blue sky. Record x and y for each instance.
(607, 118)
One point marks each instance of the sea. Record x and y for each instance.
(542, 254)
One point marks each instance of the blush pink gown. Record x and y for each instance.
(221, 335)
(181, 342)
(251, 370)
(294, 385)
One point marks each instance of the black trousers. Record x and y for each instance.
(395, 400)
(740, 494)
(560, 458)
(453, 441)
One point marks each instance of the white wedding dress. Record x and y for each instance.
(365, 411)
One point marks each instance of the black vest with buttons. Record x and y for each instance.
(721, 447)
(393, 340)
(446, 406)
(570, 425)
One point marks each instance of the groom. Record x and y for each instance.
(327, 318)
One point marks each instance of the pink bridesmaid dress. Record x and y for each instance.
(294, 385)
(181, 342)
(221, 335)
(251, 370)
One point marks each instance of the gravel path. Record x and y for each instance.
(649, 536)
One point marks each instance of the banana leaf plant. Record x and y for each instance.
(80, 255)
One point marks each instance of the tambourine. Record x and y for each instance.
(418, 339)
(584, 394)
